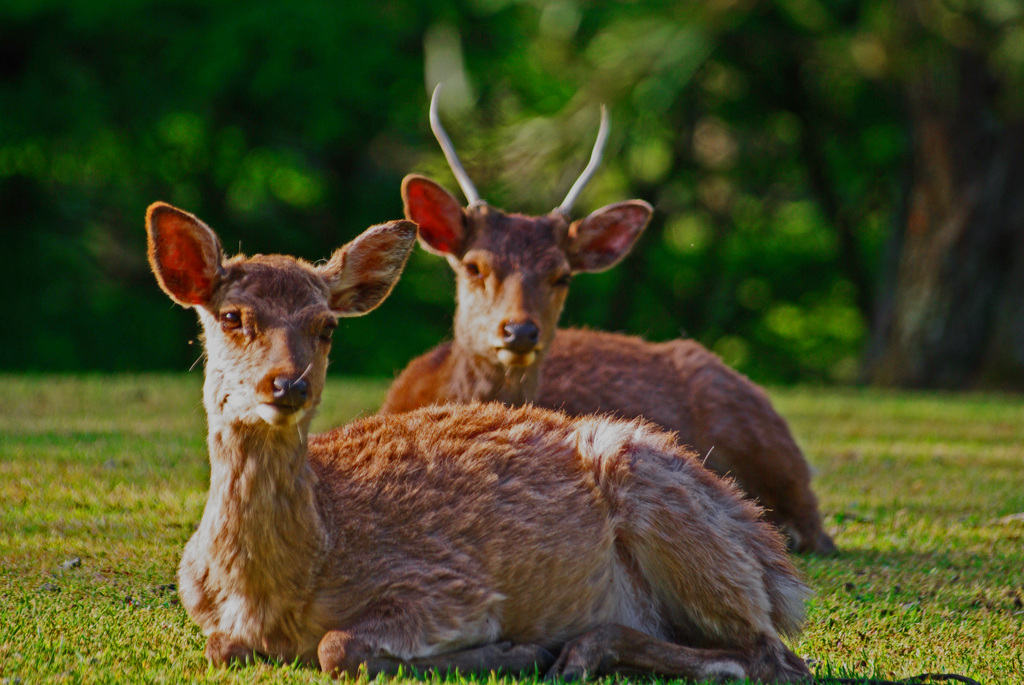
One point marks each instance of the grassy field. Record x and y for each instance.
(103, 478)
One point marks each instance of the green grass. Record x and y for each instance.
(917, 489)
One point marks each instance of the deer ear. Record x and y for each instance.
(438, 214)
(600, 240)
(184, 253)
(361, 274)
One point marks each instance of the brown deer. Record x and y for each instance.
(469, 537)
(512, 273)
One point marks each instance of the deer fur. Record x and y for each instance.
(473, 537)
(512, 272)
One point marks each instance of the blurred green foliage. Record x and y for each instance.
(771, 137)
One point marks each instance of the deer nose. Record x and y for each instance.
(520, 337)
(290, 393)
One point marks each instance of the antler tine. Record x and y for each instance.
(588, 172)
(449, 152)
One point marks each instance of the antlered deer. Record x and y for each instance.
(471, 537)
(513, 273)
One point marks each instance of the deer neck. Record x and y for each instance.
(474, 377)
(261, 520)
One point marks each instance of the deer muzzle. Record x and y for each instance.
(519, 343)
(290, 399)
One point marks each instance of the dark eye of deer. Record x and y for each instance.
(562, 280)
(230, 321)
(472, 269)
(327, 331)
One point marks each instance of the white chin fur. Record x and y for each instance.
(510, 358)
(276, 417)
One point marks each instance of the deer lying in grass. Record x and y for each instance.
(471, 537)
(513, 272)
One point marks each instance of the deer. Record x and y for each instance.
(463, 537)
(512, 274)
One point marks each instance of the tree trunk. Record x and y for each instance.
(953, 315)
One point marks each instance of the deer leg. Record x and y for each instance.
(221, 650)
(503, 656)
(614, 648)
(342, 653)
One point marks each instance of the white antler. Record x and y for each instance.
(595, 161)
(449, 152)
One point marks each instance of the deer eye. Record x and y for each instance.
(473, 269)
(327, 331)
(562, 281)
(230, 320)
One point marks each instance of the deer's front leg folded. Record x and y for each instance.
(221, 650)
(343, 653)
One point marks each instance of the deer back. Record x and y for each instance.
(445, 489)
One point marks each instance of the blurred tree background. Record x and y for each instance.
(838, 185)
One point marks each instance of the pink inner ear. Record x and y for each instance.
(615, 239)
(439, 218)
(182, 262)
(605, 237)
(612, 232)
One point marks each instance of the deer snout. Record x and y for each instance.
(284, 399)
(519, 337)
(519, 341)
(290, 392)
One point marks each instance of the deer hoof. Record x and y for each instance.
(580, 659)
(340, 654)
(221, 651)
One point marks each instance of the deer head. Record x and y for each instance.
(513, 271)
(268, 319)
